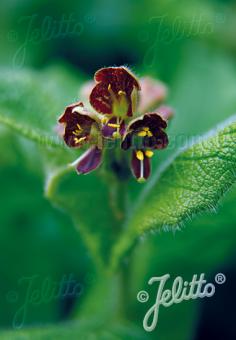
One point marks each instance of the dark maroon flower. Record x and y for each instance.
(150, 129)
(144, 134)
(115, 97)
(80, 126)
(115, 92)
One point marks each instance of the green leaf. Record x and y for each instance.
(191, 183)
(31, 102)
(84, 329)
(91, 204)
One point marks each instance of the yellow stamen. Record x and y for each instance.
(79, 140)
(149, 153)
(120, 93)
(140, 155)
(113, 125)
(142, 134)
(109, 87)
(77, 132)
(145, 132)
(104, 120)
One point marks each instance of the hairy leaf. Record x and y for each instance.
(193, 182)
(30, 102)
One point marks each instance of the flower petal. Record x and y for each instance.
(155, 138)
(141, 168)
(127, 141)
(166, 112)
(68, 111)
(153, 92)
(89, 161)
(120, 77)
(159, 141)
(115, 86)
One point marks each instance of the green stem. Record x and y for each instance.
(118, 166)
(54, 178)
(50, 191)
(116, 172)
(117, 199)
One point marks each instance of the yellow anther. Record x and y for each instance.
(145, 132)
(79, 140)
(77, 132)
(109, 87)
(140, 155)
(149, 153)
(120, 93)
(113, 125)
(104, 120)
(142, 134)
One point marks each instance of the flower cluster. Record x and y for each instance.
(119, 113)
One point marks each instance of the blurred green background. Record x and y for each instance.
(191, 46)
